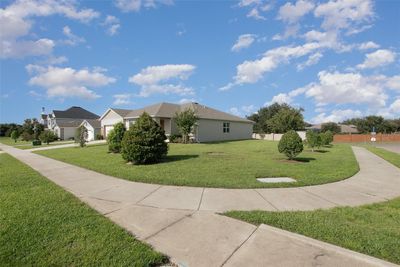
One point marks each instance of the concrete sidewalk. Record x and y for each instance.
(181, 221)
(65, 145)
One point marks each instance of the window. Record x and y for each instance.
(225, 127)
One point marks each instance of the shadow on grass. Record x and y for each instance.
(178, 158)
(321, 151)
(303, 159)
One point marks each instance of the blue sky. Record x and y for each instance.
(336, 59)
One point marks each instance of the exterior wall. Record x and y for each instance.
(108, 121)
(167, 124)
(359, 138)
(276, 137)
(69, 132)
(212, 130)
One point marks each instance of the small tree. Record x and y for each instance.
(185, 120)
(14, 135)
(326, 138)
(47, 136)
(114, 138)
(313, 139)
(290, 144)
(81, 136)
(144, 142)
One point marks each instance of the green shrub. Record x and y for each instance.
(144, 142)
(47, 136)
(326, 138)
(14, 135)
(175, 138)
(81, 136)
(25, 136)
(114, 137)
(313, 139)
(99, 137)
(290, 144)
(36, 143)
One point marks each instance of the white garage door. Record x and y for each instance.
(108, 128)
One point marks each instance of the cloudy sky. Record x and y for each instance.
(336, 58)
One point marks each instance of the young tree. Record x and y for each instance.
(81, 136)
(144, 142)
(185, 120)
(313, 139)
(14, 135)
(114, 138)
(47, 136)
(330, 126)
(290, 144)
(326, 138)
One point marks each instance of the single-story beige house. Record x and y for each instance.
(344, 128)
(212, 125)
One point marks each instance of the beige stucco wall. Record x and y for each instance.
(212, 130)
(110, 119)
(69, 132)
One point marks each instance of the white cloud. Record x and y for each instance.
(235, 111)
(393, 82)
(243, 41)
(16, 20)
(285, 97)
(290, 31)
(244, 3)
(255, 14)
(368, 45)
(73, 40)
(378, 58)
(112, 24)
(312, 60)
(158, 79)
(68, 82)
(345, 88)
(337, 115)
(242, 111)
(186, 100)
(291, 13)
(136, 5)
(122, 99)
(341, 14)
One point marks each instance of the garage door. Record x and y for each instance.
(107, 129)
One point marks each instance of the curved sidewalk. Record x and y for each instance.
(181, 221)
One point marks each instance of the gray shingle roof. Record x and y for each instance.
(75, 113)
(94, 123)
(69, 123)
(168, 110)
(121, 112)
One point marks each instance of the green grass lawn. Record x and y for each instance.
(227, 164)
(28, 144)
(371, 229)
(42, 225)
(390, 156)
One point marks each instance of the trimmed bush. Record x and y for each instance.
(313, 139)
(290, 144)
(175, 138)
(99, 137)
(114, 138)
(326, 138)
(144, 142)
(36, 143)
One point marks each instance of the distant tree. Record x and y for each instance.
(81, 136)
(265, 124)
(326, 138)
(313, 139)
(114, 138)
(144, 142)
(14, 135)
(185, 120)
(48, 136)
(377, 123)
(31, 128)
(7, 128)
(285, 120)
(330, 126)
(290, 144)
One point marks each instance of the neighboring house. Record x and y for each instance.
(93, 128)
(213, 125)
(65, 122)
(344, 128)
(43, 118)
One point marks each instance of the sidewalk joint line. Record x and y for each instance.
(146, 196)
(236, 249)
(201, 198)
(318, 196)
(272, 205)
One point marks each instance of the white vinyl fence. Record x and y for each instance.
(275, 137)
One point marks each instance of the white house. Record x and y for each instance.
(212, 125)
(93, 128)
(65, 122)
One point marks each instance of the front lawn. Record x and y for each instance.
(227, 164)
(28, 144)
(390, 156)
(371, 229)
(43, 225)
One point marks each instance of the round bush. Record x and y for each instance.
(115, 136)
(144, 142)
(290, 144)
